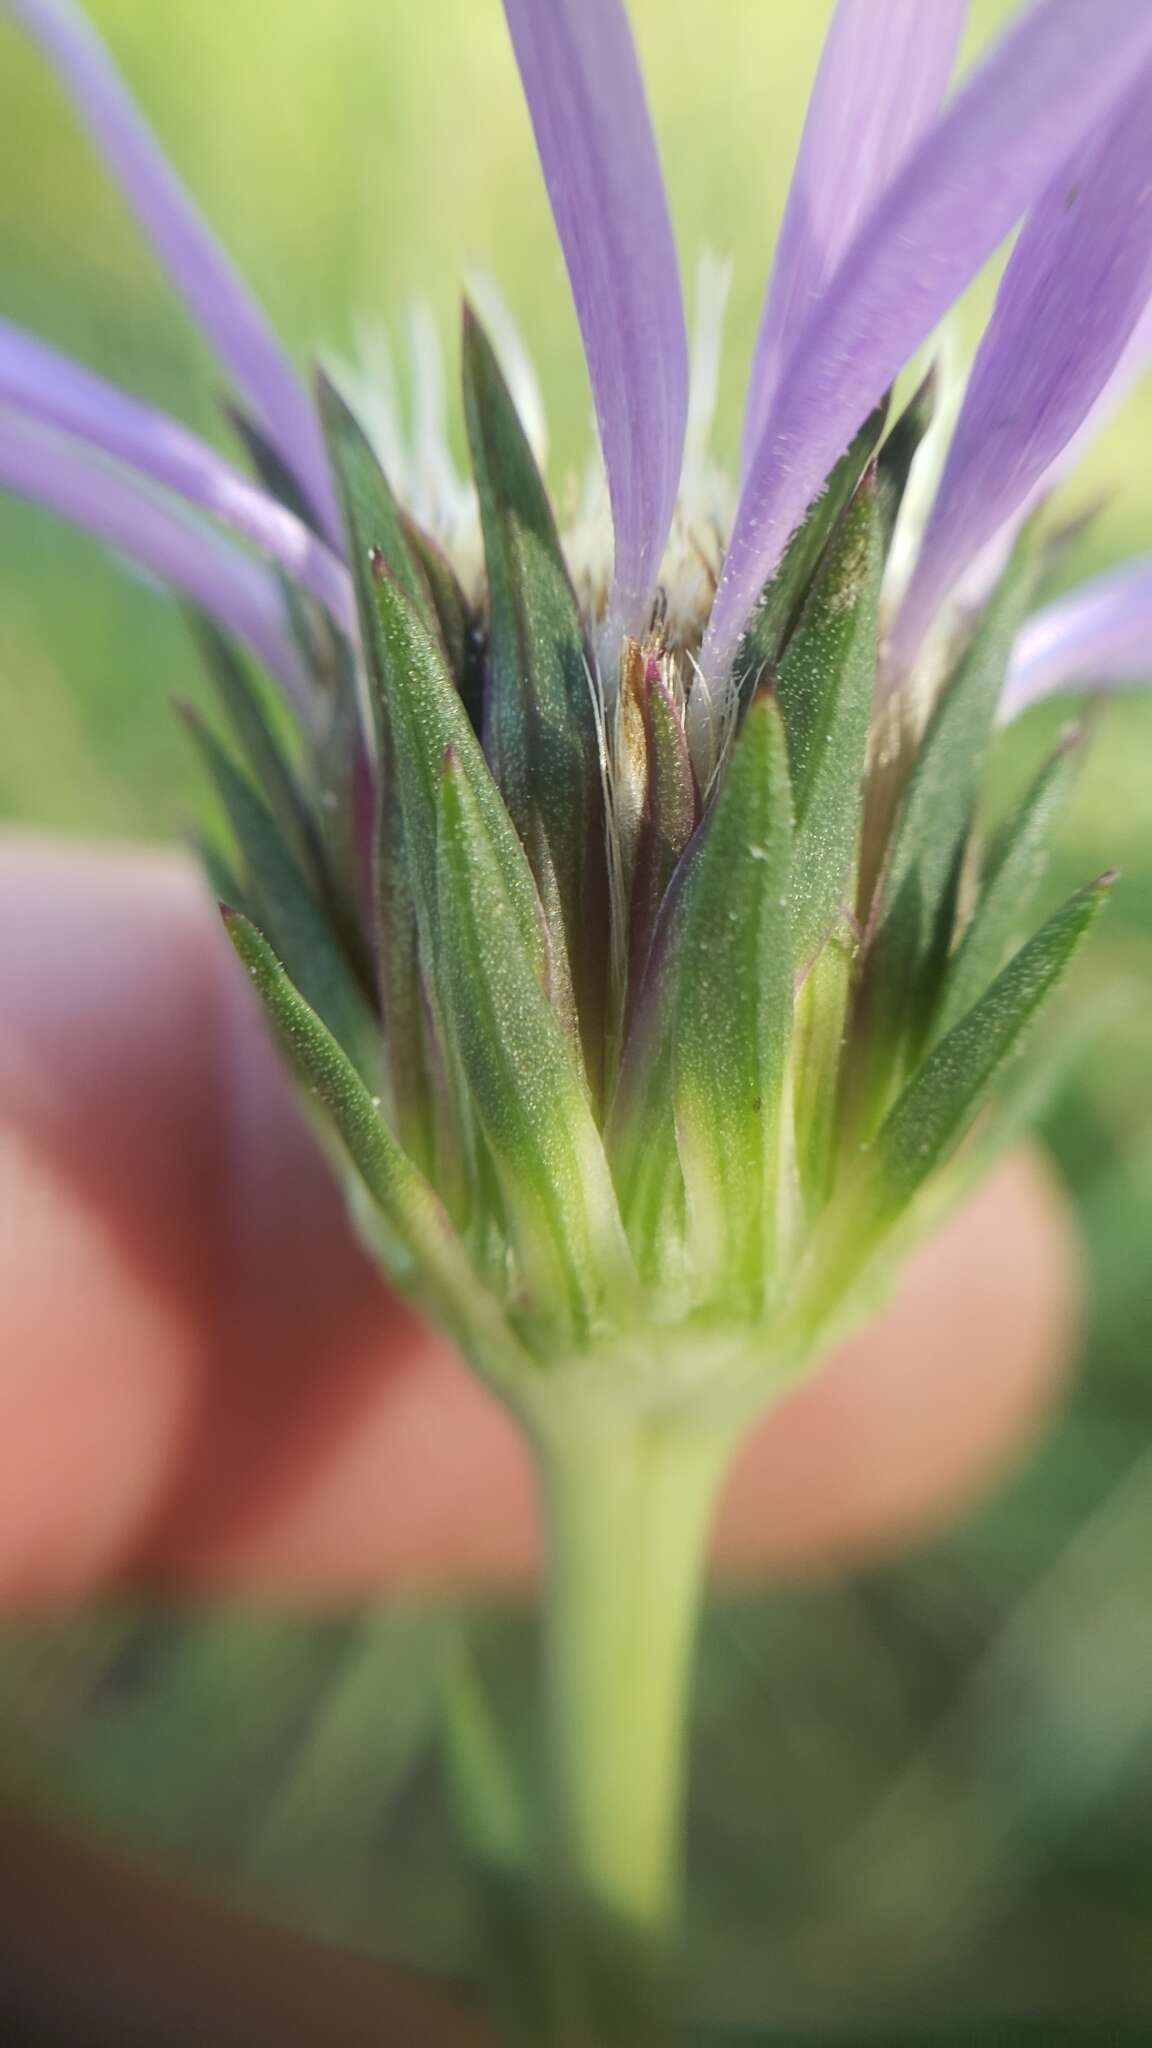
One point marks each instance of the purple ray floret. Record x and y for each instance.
(978, 579)
(1032, 102)
(1133, 365)
(882, 78)
(598, 154)
(49, 387)
(1095, 637)
(215, 294)
(241, 594)
(1079, 279)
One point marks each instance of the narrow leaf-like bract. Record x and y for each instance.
(730, 991)
(524, 1082)
(425, 718)
(371, 515)
(712, 1038)
(819, 1048)
(913, 927)
(776, 614)
(405, 1000)
(1007, 887)
(669, 815)
(459, 629)
(901, 447)
(540, 724)
(289, 911)
(258, 740)
(824, 689)
(409, 1207)
(939, 1106)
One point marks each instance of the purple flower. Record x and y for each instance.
(46, 386)
(881, 83)
(1057, 77)
(181, 551)
(599, 158)
(215, 295)
(1078, 281)
(1095, 637)
(647, 970)
(899, 197)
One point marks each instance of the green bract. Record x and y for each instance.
(643, 1025)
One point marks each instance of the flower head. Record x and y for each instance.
(618, 892)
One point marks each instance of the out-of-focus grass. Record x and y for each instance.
(922, 1795)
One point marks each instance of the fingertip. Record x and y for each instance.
(205, 1384)
(182, 1308)
(100, 1115)
(926, 1406)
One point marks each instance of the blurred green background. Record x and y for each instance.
(923, 1797)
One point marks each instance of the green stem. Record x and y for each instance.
(628, 1508)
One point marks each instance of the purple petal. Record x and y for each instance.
(49, 387)
(241, 594)
(1096, 638)
(1031, 103)
(883, 75)
(1132, 366)
(216, 296)
(598, 154)
(985, 571)
(1079, 278)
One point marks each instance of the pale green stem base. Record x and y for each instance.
(628, 1507)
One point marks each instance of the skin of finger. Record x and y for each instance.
(204, 1384)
